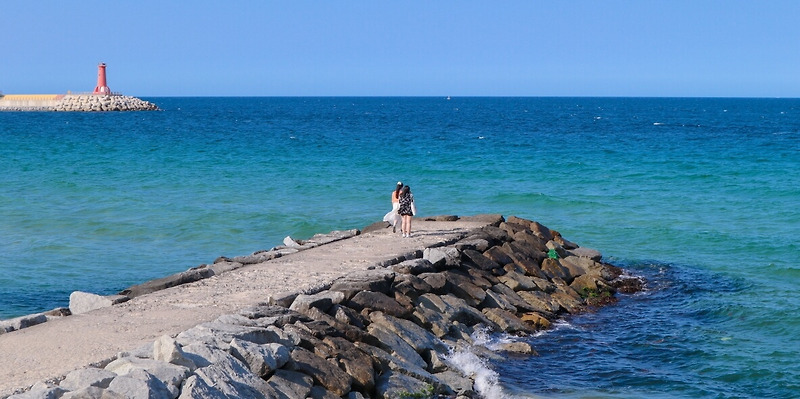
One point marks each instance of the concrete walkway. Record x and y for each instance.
(52, 349)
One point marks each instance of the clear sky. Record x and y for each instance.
(691, 48)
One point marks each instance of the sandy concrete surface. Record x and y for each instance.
(54, 348)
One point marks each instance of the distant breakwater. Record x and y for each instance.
(75, 103)
(395, 330)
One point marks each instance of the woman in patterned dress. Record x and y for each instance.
(406, 210)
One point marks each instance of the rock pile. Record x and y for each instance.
(387, 332)
(94, 103)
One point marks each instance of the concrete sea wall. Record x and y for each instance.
(74, 103)
(392, 331)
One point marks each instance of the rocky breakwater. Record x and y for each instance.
(392, 331)
(97, 103)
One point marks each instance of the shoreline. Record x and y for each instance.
(172, 306)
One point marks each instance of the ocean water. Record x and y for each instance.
(699, 196)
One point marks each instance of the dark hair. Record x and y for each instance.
(406, 189)
(397, 190)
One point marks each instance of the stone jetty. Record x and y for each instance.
(353, 314)
(74, 103)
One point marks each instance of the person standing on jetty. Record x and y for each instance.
(406, 210)
(393, 217)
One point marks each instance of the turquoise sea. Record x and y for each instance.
(699, 196)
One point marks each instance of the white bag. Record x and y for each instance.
(413, 208)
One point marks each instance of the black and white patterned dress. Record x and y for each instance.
(405, 204)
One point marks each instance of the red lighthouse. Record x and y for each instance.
(102, 87)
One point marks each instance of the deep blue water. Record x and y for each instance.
(700, 196)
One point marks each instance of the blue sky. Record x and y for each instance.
(404, 48)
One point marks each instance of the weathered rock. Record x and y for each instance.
(521, 250)
(187, 276)
(589, 283)
(530, 240)
(452, 309)
(165, 349)
(370, 280)
(541, 231)
(511, 297)
(589, 253)
(419, 338)
(537, 321)
(431, 320)
(437, 281)
(541, 302)
(411, 286)
(567, 302)
(354, 362)
(322, 300)
(568, 245)
(544, 285)
(414, 266)
(348, 316)
(496, 234)
(291, 384)
(396, 385)
(495, 300)
(442, 257)
(322, 371)
(396, 345)
(460, 385)
(89, 376)
(41, 390)
(169, 374)
(21, 322)
(517, 281)
(484, 279)
(231, 377)
(214, 332)
(82, 302)
(139, 384)
(196, 388)
(472, 243)
(507, 321)
(498, 255)
(93, 393)
(377, 301)
(260, 359)
(461, 285)
(517, 347)
(477, 258)
(395, 364)
(552, 269)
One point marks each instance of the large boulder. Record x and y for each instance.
(322, 371)
(82, 302)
